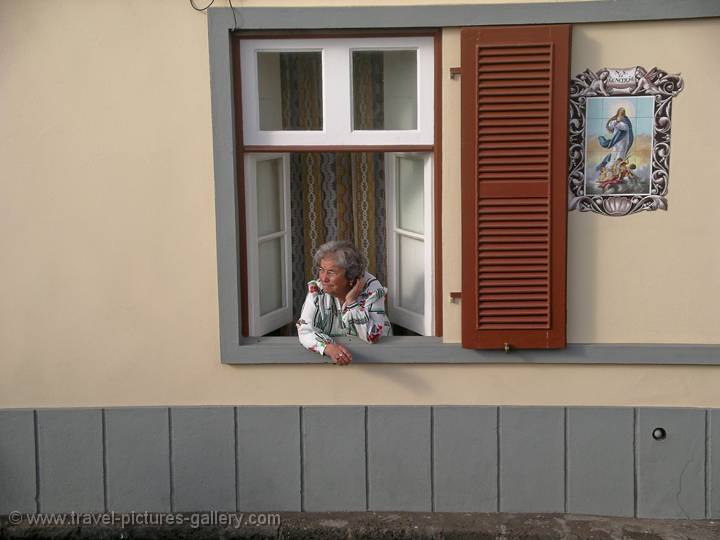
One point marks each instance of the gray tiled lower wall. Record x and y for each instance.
(589, 460)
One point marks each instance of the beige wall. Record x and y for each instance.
(108, 281)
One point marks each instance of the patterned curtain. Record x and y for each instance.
(300, 80)
(334, 196)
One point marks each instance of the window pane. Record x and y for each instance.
(290, 90)
(410, 200)
(269, 196)
(412, 274)
(272, 270)
(384, 90)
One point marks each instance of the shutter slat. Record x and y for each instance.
(529, 164)
(542, 303)
(511, 282)
(512, 328)
(489, 226)
(514, 50)
(504, 59)
(510, 298)
(516, 276)
(515, 82)
(513, 76)
(508, 113)
(514, 100)
(512, 83)
(515, 268)
(540, 320)
(502, 152)
(517, 261)
(514, 289)
(529, 91)
(526, 298)
(516, 140)
(524, 248)
(496, 314)
(514, 122)
(512, 212)
(510, 201)
(511, 148)
(511, 254)
(519, 232)
(489, 178)
(517, 109)
(538, 67)
(520, 133)
(494, 239)
(516, 218)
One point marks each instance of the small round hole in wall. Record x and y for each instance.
(659, 434)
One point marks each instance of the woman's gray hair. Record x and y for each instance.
(346, 256)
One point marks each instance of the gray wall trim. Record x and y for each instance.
(70, 457)
(532, 469)
(671, 471)
(708, 438)
(600, 460)
(713, 474)
(235, 350)
(136, 448)
(417, 350)
(334, 459)
(18, 461)
(470, 15)
(595, 451)
(219, 25)
(203, 458)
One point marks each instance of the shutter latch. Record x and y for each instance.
(455, 72)
(454, 296)
(507, 347)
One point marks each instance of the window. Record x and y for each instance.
(410, 240)
(267, 186)
(228, 148)
(347, 91)
(337, 143)
(399, 145)
(514, 159)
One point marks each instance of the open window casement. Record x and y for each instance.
(514, 160)
(267, 211)
(409, 198)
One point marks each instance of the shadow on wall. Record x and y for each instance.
(582, 245)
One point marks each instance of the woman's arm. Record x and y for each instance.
(310, 336)
(365, 316)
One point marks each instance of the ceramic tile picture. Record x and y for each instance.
(620, 140)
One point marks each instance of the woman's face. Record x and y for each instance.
(333, 277)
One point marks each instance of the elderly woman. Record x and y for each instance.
(345, 300)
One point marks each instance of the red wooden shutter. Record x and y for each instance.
(514, 160)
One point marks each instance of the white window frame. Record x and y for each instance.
(259, 325)
(424, 325)
(337, 97)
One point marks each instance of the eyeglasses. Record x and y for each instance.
(329, 273)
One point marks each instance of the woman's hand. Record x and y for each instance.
(353, 293)
(339, 354)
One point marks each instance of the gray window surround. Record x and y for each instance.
(234, 349)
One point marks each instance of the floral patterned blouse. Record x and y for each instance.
(323, 317)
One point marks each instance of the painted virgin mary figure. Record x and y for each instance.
(620, 140)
